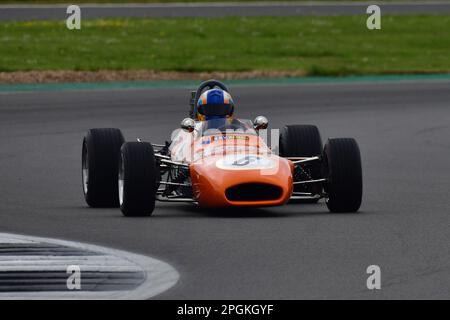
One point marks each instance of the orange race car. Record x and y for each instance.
(217, 160)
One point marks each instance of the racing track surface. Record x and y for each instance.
(297, 251)
(33, 12)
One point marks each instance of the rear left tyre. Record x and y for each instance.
(300, 141)
(100, 160)
(342, 168)
(137, 179)
(303, 141)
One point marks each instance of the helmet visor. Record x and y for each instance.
(215, 110)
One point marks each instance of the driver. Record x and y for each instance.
(216, 108)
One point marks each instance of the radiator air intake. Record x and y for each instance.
(253, 192)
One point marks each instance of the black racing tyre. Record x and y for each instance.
(100, 161)
(137, 179)
(342, 168)
(300, 141)
(303, 141)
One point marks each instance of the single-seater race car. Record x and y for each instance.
(216, 160)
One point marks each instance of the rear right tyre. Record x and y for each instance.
(100, 158)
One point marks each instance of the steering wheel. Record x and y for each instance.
(207, 85)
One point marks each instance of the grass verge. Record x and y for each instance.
(330, 45)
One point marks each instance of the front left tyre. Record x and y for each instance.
(100, 162)
(137, 179)
(341, 160)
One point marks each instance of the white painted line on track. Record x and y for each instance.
(158, 275)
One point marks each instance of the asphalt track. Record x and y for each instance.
(33, 12)
(291, 252)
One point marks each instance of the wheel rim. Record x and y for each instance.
(85, 169)
(121, 175)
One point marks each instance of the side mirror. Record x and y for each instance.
(260, 122)
(188, 124)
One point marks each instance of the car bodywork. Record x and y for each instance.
(229, 168)
(232, 167)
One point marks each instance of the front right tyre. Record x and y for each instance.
(137, 179)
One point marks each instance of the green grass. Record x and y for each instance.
(338, 45)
